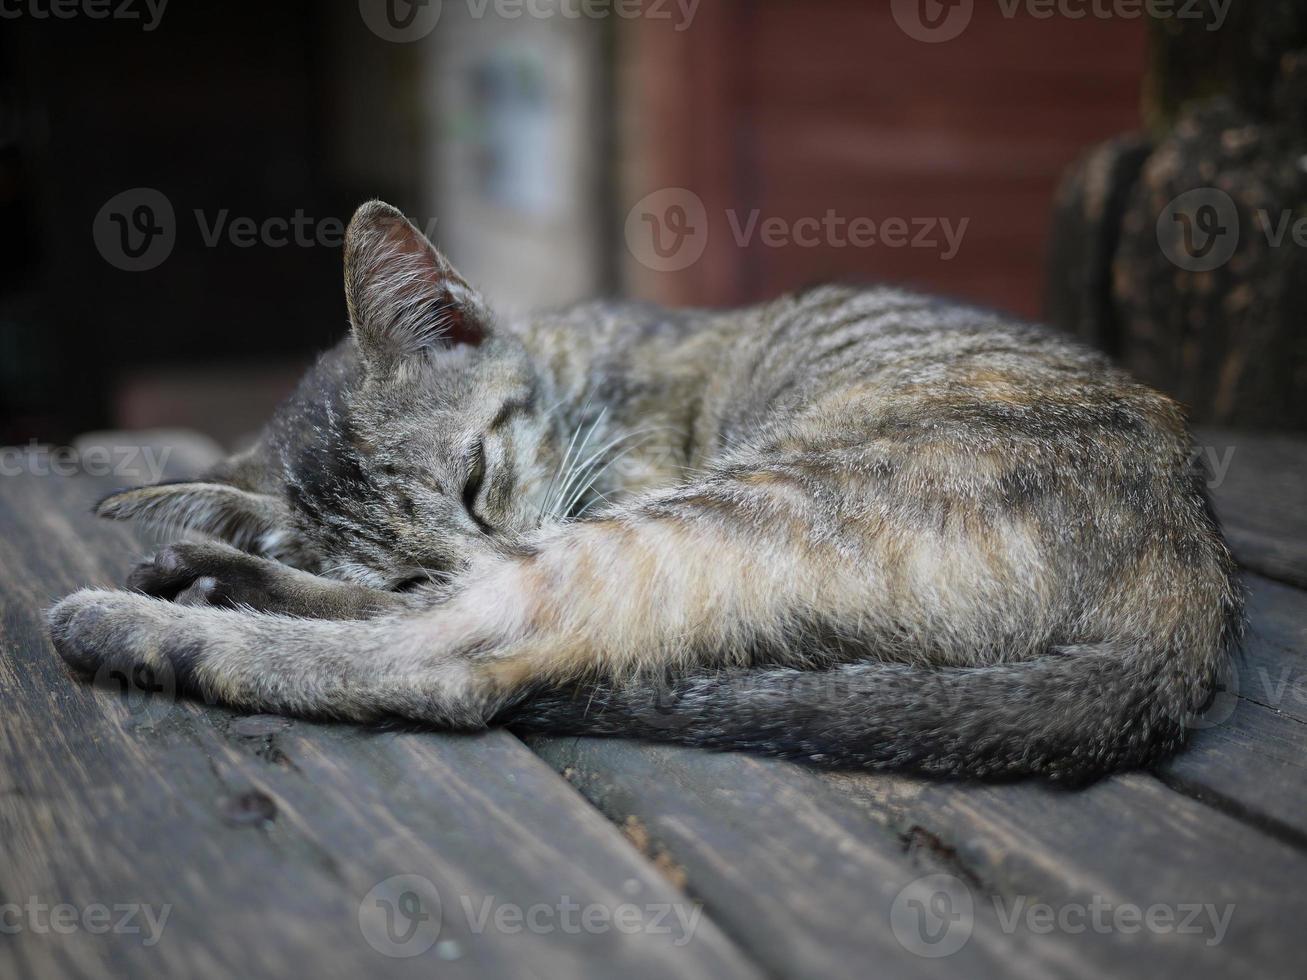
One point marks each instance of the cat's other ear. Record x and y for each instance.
(223, 503)
(404, 297)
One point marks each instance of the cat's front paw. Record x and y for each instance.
(202, 574)
(94, 628)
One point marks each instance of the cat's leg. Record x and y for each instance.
(710, 574)
(359, 670)
(215, 574)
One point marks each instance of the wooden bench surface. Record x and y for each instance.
(155, 836)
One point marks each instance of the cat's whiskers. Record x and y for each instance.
(575, 471)
(553, 480)
(571, 465)
(596, 465)
(547, 499)
(596, 470)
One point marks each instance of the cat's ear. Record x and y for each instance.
(222, 503)
(404, 297)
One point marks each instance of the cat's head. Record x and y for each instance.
(416, 444)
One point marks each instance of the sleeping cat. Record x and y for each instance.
(857, 527)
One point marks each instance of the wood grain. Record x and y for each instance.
(1262, 500)
(1126, 841)
(791, 869)
(1250, 755)
(805, 868)
(264, 837)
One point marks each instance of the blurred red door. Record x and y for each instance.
(830, 111)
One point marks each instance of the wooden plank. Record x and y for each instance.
(1261, 499)
(787, 866)
(264, 839)
(1127, 842)
(1250, 754)
(805, 868)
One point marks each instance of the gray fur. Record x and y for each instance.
(851, 526)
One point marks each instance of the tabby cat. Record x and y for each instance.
(857, 527)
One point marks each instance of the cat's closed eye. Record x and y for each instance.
(476, 475)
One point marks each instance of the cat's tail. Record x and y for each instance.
(1072, 714)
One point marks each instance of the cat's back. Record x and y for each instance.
(857, 365)
(892, 364)
(896, 337)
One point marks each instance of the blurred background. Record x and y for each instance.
(175, 179)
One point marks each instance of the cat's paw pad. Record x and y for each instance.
(199, 574)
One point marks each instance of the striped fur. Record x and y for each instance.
(858, 527)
